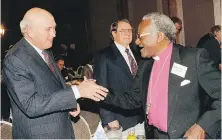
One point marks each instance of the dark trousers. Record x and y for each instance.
(154, 133)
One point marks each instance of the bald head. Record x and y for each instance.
(33, 17)
(38, 27)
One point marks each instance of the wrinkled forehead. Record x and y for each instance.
(124, 25)
(42, 20)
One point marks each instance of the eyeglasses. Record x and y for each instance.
(141, 35)
(125, 31)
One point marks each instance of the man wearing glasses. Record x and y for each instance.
(115, 67)
(170, 85)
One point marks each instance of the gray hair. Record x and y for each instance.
(162, 23)
(23, 25)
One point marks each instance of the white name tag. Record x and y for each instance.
(179, 70)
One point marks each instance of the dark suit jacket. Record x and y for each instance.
(186, 104)
(213, 47)
(40, 100)
(112, 71)
(203, 40)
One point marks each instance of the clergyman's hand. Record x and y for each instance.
(195, 132)
(89, 89)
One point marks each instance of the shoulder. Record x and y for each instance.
(17, 49)
(104, 53)
(192, 53)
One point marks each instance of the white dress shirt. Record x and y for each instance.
(122, 50)
(39, 51)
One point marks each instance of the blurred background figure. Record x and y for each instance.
(178, 23)
(212, 43)
(60, 62)
(215, 32)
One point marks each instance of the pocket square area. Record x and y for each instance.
(184, 82)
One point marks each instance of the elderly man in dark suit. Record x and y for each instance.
(169, 85)
(115, 67)
(40, 99)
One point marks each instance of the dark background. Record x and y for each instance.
(71, 16)
(86, 23)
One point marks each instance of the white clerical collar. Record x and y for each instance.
(156, 58)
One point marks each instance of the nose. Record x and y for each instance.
(138, 42)
(53, 33)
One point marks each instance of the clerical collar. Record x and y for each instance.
(156, 58)
(164, 53)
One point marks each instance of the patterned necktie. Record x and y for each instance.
(47, 60)
(132, 62)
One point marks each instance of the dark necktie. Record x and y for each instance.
(48, 61)
(132, 62)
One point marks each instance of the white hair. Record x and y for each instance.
(162, 23)
(24, 24)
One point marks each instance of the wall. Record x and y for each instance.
(198, 19)
(102, 14)
(139, 8)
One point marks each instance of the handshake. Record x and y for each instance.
(89, 89)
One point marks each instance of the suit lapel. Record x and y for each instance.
(173, 85)
(38, 59)
(120, 61)
(57, 72)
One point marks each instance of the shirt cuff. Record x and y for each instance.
(76, 92)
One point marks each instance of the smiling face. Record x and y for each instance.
(123, 34)
(147, 38)
(41, 30)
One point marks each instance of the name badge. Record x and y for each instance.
(179, 70)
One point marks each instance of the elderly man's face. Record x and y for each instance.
(123, 35)
(147, 39)
(43, 31)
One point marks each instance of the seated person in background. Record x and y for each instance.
(115, 67)
(60, 62)
(213, 43)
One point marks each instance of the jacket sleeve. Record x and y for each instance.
(22, 89)
(210, 80)
(100, 74)
(131, 99)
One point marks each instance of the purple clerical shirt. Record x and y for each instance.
(158, 90)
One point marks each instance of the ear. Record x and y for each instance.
(161, 36)
(114, 34)
(29, 31)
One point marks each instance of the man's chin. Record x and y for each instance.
(145, 56)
